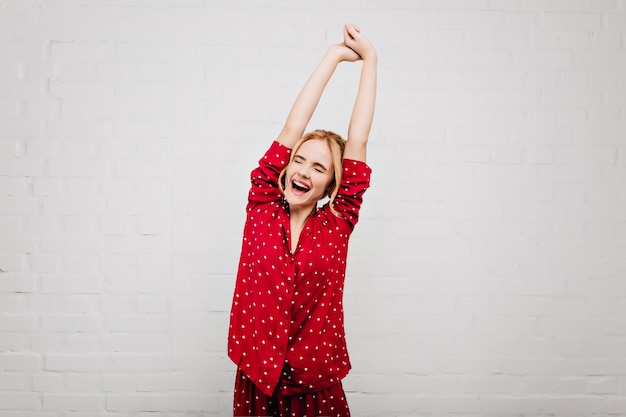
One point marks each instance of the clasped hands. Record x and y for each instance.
(355, 46)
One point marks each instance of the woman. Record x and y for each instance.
(286, 331)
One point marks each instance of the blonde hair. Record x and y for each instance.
(337, 145)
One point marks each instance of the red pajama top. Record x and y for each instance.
(286, 321)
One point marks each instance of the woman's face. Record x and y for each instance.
(308, 175)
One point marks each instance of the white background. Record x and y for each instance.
(487, 276)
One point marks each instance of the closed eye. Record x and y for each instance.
(316, 165)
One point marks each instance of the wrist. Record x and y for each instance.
(371, 57)
(334, 53)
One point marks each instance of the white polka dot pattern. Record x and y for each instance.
(287, 315)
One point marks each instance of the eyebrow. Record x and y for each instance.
(298, 156)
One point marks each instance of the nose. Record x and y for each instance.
(303, 171)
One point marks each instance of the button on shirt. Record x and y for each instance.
(286, 324)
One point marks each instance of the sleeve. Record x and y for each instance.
(355, 181)
(264, 178)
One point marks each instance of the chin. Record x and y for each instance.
(299, 202)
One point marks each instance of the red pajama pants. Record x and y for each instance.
(251, 401)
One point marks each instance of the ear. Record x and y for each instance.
(330, 188)
(281, 180)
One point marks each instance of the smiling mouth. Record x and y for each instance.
(300, 187)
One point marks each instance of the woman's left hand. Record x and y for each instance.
(353, 38)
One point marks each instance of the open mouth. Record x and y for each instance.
(299, 186)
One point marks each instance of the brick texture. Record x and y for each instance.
(487, 275)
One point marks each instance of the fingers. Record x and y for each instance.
(352, 27)
(350, 31)
(347, 36)
(350, 42)
(353, 39)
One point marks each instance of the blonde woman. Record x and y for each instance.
(286, 331)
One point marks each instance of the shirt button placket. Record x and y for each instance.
(286, 322)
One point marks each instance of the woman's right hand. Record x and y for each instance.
(344, 53)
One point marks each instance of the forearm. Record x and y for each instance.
(308, 99)
(363, 111)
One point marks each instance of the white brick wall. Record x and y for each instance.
(488, 274)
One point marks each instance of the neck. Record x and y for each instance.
(300, 214)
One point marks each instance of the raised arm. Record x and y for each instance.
(306, 102)
(363, 111)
